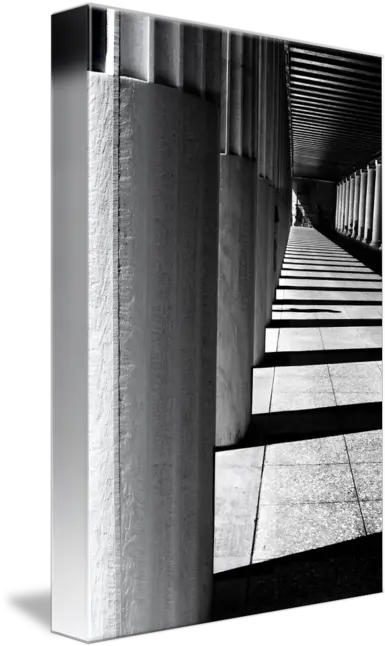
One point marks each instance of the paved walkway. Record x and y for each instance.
(310, 473)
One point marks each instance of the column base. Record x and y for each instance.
(376, 244)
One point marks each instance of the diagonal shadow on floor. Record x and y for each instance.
(340, 571)
(317, 357)
(344, 322)
(295, 425)
(324, 301)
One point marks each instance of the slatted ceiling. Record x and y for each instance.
(335, 104)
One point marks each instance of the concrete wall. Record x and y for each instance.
(235, 297)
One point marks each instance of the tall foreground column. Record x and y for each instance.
(135, 203)
(236, 242)
(377, 207)
(369, 205)
(361, 208)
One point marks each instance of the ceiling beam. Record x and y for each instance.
(367, 61)
(309, 99)
(332, 98)
(340, 130)
(335, 79)
(340, 68)
(336, 114)
(340, 91)
(299, 125)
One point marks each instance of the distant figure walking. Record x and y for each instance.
(298, 222)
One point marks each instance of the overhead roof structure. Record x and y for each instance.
(335, 105)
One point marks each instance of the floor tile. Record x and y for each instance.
(237, 482)
(306, 484)
(271, 340)
(295, 339)
(301, 379)
(346, 399)
(356, 377)
(362, 312)
(289, 529)
(364, 447)
(372, 336)
(372, 513)
(262, 389)
(371, 296)
(282, 401)
(368, 480)
(325, 450)
(341, 338)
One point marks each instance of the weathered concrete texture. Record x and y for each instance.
(168, 259)
(103, 430)
(268, 212)
(235, 298)
(261, 253)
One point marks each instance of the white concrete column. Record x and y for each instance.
(342, 206)
(247, 101)
(256, 97)
(361, 215)
(357, 187)
(262, 110)
(135, 276)
(351, 206)
(270, 123)
(236, 94)
(346, 205)
(225, 93)
(369, 205)
(337, 212)
(377, 208)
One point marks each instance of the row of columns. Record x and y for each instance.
(359, 205)
(165, 268)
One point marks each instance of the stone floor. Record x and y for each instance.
(309, 474)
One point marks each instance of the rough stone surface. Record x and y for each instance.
(235, 299)
(103, 434)
(167, 312)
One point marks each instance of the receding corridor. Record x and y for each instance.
(216, 445)
(306, 479)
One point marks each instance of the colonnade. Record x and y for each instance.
(171, 212)
(359, 205)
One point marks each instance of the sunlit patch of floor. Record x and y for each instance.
(291, 497)
(280, 499)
